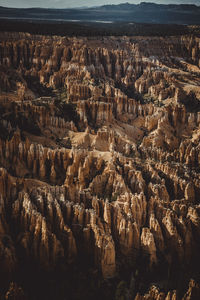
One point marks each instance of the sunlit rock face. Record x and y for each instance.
(99, 156)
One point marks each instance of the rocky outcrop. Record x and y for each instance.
(15, 292)
(103, 171)
(154, 293)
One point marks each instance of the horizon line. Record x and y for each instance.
(96, 6)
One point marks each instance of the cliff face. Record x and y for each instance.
(104, 170)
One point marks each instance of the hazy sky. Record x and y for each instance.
(78, 3)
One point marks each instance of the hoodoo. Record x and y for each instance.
(100, 167)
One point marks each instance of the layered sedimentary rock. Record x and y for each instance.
(99, 156)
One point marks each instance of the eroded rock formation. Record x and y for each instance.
(99, 156)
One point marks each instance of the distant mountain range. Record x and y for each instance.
(139, 13)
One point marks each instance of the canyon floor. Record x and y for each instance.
(99, 167)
